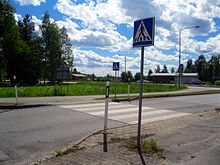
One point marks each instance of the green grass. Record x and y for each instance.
(73, 149)
(84, 88)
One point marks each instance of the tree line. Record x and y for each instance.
(31, 55)
(208, 70)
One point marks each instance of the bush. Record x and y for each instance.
(217, 82)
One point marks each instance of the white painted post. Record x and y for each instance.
(105, 147)
(129, 80)
(16, 90)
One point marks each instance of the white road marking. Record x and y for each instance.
(126, 112)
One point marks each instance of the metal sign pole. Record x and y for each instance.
(115, 83)
(143, 36)
(105, 147)
(140, 99)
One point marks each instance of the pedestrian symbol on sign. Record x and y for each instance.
(115, 66)
(142, 34)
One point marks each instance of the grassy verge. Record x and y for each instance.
(84, 88)
(62, 152)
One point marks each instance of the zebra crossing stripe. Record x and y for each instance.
(102, 108)
(117, 111)
(126, 112)
(85, 105)
(160, 118)
(119, 117)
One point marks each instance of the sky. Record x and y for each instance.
(101, 31)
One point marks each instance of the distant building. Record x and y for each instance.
(186, 78)
(79, 76)
(63, 73)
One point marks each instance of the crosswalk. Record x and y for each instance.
(126, 112)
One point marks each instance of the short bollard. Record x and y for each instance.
(16, 90)
(129, 86)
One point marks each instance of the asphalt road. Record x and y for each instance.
(28, 134)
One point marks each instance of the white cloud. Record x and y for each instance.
(95, 24)
(90, 38)
(100, 19)
(158, 55)
(91, 62)
(98, 24)
(30, 2)
(37, 23)
(100, 15)
(18, 17)
(209, 46)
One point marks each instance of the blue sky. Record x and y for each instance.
(101, 31)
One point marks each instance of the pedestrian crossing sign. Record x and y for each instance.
(115, 66)
(144, 32)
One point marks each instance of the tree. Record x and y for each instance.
(30, 63)
(164, 70)
(126, 75)
(67, 53)
(52, 47)
(181, 68)
(149, 73)
(107, 78)
(202, 68)
(130, 75)
(6, 20)
(172, 70)
(75, 71)
(157, 70)
(213, 68)
(123, 76)
(11, 45)
(190, 68)
(26, 28)
(92, 77)
(137, 76)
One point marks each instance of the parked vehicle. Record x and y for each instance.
(197, 81)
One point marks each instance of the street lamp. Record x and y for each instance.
(192, 27)
(125, 61)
